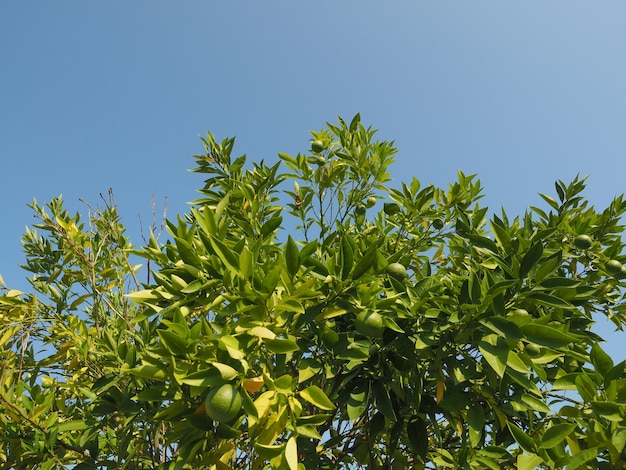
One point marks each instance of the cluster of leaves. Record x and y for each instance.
(402, 329)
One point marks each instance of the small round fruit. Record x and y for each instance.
(614, 267)
(522, 312)
(370, 201)
(359, 210)
(397, 271)
(391, 208)
(583, 242)
(437, 224)
(317, 146)
(533, 350)
(223, 403)
(370, 324)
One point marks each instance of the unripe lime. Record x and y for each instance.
(391, 208)
(359, 210)
(370, 324)
(397, 271)
(583, 242)
(317, 146)
(521, 312)
(533, 350)
(223, 403)
(437, 224)
(614, 266)
(370, 201)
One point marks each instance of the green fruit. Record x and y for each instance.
(321, 161)
(533, 350)
(359, 210)
(437, 224)
(583, 242)
(370, 201)
(614, 267)
(317, 146)
(391, 208)
(223, 403)
(370, 324)
(521, 312)
(397, 271)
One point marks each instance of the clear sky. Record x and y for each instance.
(98, 95)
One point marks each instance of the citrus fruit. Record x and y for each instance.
(521, 312)
(397, 271)
(359, 210)
(614, 266)
(370, 201)
(317, 146)
(370, 324)
(437, 223)
(583, 242)
(391, 208)
(533, 350)
(223, 403)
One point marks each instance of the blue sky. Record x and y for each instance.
(98, 95)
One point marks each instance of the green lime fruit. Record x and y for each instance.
(317, 146)
(391, 208)
(437, 224)
(614, 267)
(359, 210)
(583, 242)
(397, 271)
(533, 350)
(370, 201)
(223, 403)
(370, 324)
(521, 312)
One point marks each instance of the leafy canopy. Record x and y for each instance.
(306, 314)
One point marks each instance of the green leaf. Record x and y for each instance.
(271, 225)
(147, 371)
(549, 300)
(316, 396)
(346, 256)
(476, 421)
(530, 259)
(292, 256)
(74, 425)
(524, 440)
(554, 435)
(365, 263)
(609, 410)
(495, 351)
(536, 404)
(418, 436)
(172, 342)
(291, 453)
(601, 360)
(143, 296)
(582, 457)
(504, 328)
(203, 378)
(281, 345)
(547, 336)
(230, 259)
(528, 462)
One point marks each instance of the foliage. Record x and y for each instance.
(349, 325)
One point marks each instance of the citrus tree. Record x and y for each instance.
(306, 314)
